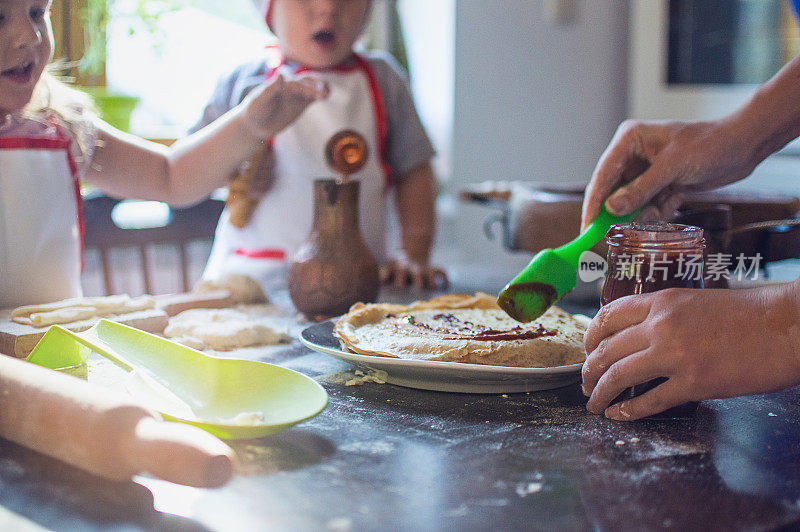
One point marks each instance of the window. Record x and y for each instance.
(174, 68)
(67, 29)
(724, 41)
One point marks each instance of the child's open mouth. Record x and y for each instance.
(324, 38)
(19, 74)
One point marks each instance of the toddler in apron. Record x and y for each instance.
(316, 40)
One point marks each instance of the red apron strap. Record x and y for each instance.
(380, 116)
(73, 168)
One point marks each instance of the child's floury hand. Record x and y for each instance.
(274, 105)
(403, 271)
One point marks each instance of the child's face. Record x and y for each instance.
(318, 33)
(26, 46)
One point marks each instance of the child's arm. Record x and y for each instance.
(415, 197)
(126, 166)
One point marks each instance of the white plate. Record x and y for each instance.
(445, 376)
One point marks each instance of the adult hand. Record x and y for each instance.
(660, 161)
(278, 102)
(707, 343)
(404, 271)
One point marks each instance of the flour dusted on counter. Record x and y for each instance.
(372, 375)
(358, 377)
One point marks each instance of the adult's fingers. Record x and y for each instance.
(649, 214)
(609, 351)
(669, 205)
(637, 368)
(662, 207)
(664, 396)
(623, 160)
(616, 316)
(641, 190)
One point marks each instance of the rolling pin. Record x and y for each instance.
(105, 433)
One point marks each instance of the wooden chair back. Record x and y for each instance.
(184, 226)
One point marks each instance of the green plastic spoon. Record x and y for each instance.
(230, 398)
(552, 272)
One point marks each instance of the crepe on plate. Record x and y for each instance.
(461, 328)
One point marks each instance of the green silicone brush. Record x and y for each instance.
(552, 272)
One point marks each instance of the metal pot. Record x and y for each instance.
(533, 217)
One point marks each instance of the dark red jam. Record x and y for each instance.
(455, 329)
(644, 258)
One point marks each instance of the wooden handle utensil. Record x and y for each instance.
(240, 204)
(103, 432)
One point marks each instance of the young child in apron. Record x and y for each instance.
(367, 95)
(48, 141)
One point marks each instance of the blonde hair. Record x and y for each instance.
(71, 109)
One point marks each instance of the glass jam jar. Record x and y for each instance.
(647, 257)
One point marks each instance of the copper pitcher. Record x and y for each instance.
(333, 268)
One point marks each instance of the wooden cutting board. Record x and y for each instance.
(19, 340)
(174, 304)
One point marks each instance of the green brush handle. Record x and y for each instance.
(552, 272)
(571, 251)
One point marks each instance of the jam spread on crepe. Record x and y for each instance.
(455, 329)
(461, 328)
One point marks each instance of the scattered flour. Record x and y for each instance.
(358, 377)
(339, 523)
(523, 490)
(370, 447)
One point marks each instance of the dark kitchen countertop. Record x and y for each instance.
(383, 457)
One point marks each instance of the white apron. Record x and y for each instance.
(282, 219)
(41, 222)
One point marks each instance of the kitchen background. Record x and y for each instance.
(510, 90)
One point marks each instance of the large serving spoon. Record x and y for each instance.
(230, 398)
(552, 272)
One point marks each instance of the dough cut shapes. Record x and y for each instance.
(243, 288)
(80, 308)
(461, 328)
(226, 329)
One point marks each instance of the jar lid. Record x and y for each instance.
(655, 235)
